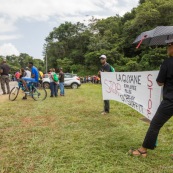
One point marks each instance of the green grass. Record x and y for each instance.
(68, 135)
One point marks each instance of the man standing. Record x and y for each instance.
(165, 110)
(105, 68)
(61, 82)
(4, 71)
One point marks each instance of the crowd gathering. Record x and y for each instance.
(91, 79)
(28, 75)
(165, 79)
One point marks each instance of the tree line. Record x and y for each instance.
(76, 47)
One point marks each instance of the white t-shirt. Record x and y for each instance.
(28, 73)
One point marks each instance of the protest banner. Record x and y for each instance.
(138, 90)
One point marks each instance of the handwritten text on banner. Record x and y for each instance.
(139, 90)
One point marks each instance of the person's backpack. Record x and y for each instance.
(112, 69)
(55, 77)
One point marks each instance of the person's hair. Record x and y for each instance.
(53, 69)
(22, 70)
(31, 63)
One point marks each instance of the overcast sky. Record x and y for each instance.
(24, 24)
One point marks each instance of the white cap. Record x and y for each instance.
(103, 56)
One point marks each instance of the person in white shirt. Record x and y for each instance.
(28, 73)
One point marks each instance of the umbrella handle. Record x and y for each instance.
(141, 41)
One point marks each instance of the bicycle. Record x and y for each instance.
(38, 94)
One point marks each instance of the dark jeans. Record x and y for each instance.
(54, 89)
(163, 114)
(106, 106)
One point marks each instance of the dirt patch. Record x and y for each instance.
(3, 98)
(27, 122)
(38, 121)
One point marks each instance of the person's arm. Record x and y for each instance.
(33, 73)
(161, 79)
(1, 70)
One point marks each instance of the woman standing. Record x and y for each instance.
(53, 83)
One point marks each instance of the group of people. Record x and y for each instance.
(55, 82)
(91, 79)
(163, 114)
(31, 74)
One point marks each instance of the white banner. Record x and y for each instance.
(139, 90)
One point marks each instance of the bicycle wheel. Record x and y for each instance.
(13, 93)
(39, 94)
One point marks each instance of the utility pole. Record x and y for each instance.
(46, 61)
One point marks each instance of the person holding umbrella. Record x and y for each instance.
(165, 110)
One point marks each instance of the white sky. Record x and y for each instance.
(24, 24)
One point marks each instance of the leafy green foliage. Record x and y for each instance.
(21, 61)
(82, 45)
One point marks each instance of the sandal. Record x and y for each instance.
(140, 153)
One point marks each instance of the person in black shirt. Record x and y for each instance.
(61, 82)
(4, 72)
(165, 110)
(105, 68)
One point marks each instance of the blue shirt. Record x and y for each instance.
(35, 72)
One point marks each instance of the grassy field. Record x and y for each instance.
(69, 135)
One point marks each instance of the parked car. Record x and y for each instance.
(70, 80)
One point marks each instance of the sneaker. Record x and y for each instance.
(24, 98)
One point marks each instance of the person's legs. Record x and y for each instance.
(106, 106)
(63, 89)
(163, 114)
(61, 85)
(3, 84)
(52, 89)
(7, 81)
(56, 89)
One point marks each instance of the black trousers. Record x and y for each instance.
(163, 114)
(106, 106)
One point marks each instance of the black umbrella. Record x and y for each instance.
(157, 36)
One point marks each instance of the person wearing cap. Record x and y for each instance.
(61, 82)
(165, 110)
(4, 72)
(105, 68)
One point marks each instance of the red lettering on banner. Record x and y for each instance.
(150, 88)
(112, 87)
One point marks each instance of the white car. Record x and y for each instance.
(70, 80)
